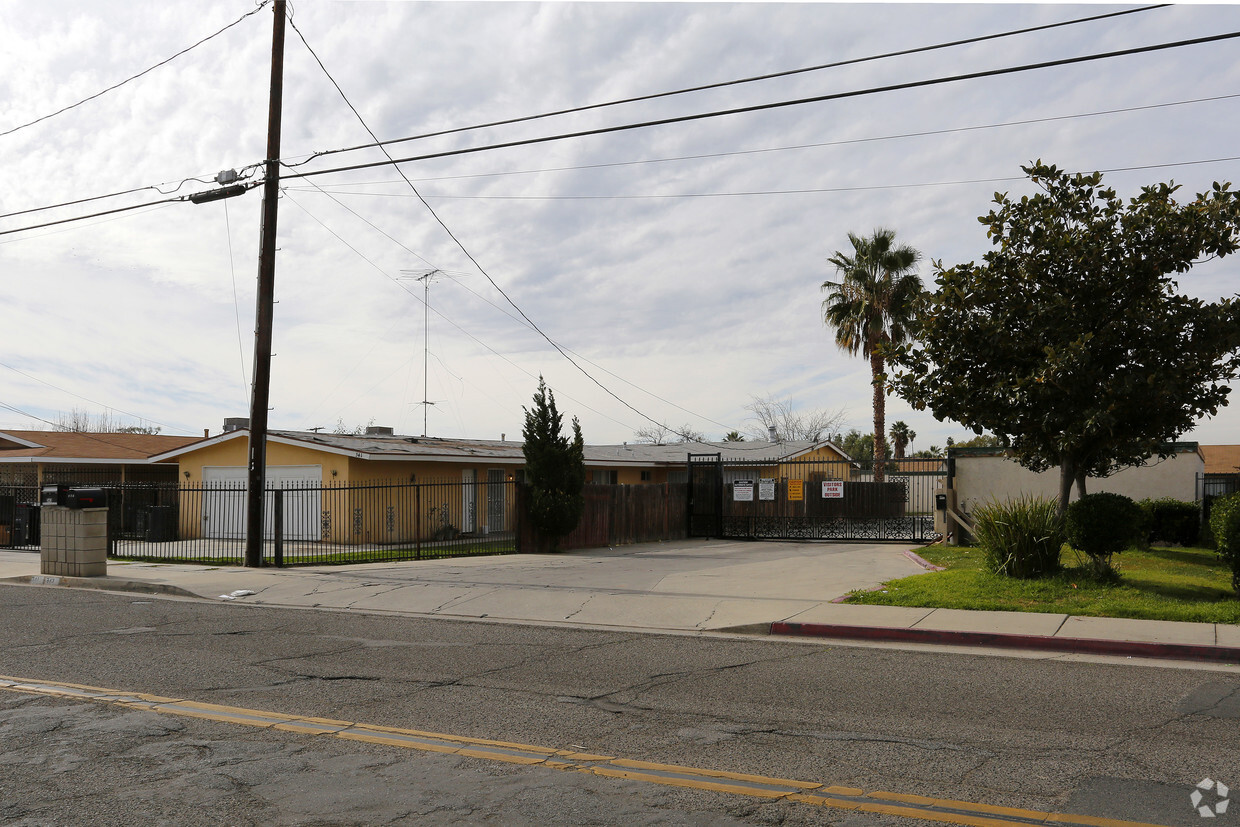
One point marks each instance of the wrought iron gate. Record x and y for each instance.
(813, 500)
(705, 495)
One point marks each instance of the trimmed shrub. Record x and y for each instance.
(1172, 521)
(1225, 526)
(1101, 525)
(1021, 537)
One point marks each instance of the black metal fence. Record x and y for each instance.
(814, 500)
(1212, 486)
(303, 523)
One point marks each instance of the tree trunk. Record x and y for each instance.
(1080, 483)
(1067, 476)
(880, 416)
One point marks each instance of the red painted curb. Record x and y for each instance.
(1088, 646)
(924, 563)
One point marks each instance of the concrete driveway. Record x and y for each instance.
(689, 585)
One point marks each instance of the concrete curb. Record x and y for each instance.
(1085, 646)
(106, 584)
(924, 563)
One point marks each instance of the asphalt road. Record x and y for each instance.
(1118, 740)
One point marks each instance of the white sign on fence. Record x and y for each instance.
(742, 491)
(833, 489)
(766, 489)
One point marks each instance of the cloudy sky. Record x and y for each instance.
(680, 265)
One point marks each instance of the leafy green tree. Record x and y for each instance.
(1070, 342)
(554, 468)
(870, 308)
(901, 436)
(857, 445)
(983, 441)
(734, 436)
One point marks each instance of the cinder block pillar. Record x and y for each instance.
(74, 541)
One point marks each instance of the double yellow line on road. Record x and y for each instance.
(806, 792)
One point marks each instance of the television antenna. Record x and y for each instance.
(426, 277)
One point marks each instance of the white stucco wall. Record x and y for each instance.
(980, 479)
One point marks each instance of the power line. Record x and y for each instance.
(736, 82)
(138, 75)
(800, 191)
(681, 119)
(70, 229)
(246, 172)
(623, 163)
(232, 271)
(918, 84)
(701, 156)
(83, 398)
(761, 150)
(436, 310)
(503, 310)
(465, 250)
(486, 346)
(247, 185)
(79, 201)
(57, 426)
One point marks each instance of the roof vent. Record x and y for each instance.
(379, 430)
(771, 433)
(236, 423)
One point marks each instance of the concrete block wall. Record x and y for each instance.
(74, 541)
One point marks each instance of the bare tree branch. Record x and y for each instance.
(808, 425)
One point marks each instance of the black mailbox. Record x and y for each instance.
(940, 502)
(53, 495)
(87, 498)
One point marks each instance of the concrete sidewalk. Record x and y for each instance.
(689, 586)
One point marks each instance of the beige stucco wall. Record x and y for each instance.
(387, 515)
(980, 479)
(436, 504)
(236, 452)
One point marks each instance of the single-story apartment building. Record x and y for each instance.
(1222, 470)
(29, 459)
(302, 462)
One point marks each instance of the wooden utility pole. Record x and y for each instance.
(266, 299)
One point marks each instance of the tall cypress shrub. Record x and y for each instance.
(554, 469)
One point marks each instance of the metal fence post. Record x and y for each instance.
(417, 520)
(277, 523)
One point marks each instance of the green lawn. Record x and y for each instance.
(1160, 584)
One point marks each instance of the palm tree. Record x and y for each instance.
(901, 435)
(872, 305)
(734, 436)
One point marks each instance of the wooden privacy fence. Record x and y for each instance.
(619, 515)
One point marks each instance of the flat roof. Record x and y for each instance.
(399, 447)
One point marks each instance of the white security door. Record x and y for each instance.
(224, 510)
(469, 504)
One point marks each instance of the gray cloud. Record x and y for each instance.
(701, 301)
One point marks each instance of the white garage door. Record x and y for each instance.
(224, 512)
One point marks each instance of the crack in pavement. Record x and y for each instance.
(579, 609)
(460, 598)
(714, 610)
(865, 737)
(666, 678)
